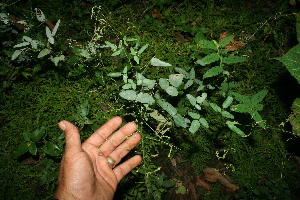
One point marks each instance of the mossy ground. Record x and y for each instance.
(265, 157)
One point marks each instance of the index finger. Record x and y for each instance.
(101, 134)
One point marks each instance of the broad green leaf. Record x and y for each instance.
(163, 83)
(128, 95)
(200, 62)
(26, 136)
(227, 114)
(132, 51)
(38, 134)
(192, 99)
(40, 15)
(52, 149)
(182, 71)
(175, 79)
(111, 45)
(127, 86)
(55, 28)
(145, 98)
(194, 115)
(203, 122)
(157, 116)
(259, 96)
(34, 44)
(27, 39)
(142, 49)
(226, 40)
(181, 190)
(242, 108)
(207, 44)
(188, 84)
(149, 83)
(167, 107)
(292, 61)
(179, 120)
(48, 32)
(198, 107)
(227, 102)
(210, 58)
(192, 74)
(215, 107)
(84, 108)
(21, 149)
(125, 78)
(85, 53)
(56, 59)
(136, 59)
(23, 44)
(44, 52)
(256, 116)
(234, 59)
(294, 118)
(114, 74)
(172, 91)
(116, 53)
(16, 54)
(158, 63)
(32, 148)
(201, 99)
(195, 125)
(235, 129)
(51, 40)
(214, 71)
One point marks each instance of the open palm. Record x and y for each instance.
(85, 172)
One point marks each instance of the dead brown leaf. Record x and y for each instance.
(202, 183)
(213, 175)
(233, 45)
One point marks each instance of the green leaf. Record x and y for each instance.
(23, 44)
(149, 83)
(259, 96)
(163, 83)
(256, 116)
(44, 52)
(176, 79)
(158, 117)
(26, 136)
(292, 61)
(294, 117)
(52, 149)
(227, 102)
(38, 134)
(32, 148)
(172, 91)
(158, 63)
(192, 99)
(226, 40)
(242, 108)
(21, 149)
(40, 15)
(179, 120)
(235, 129)
(215, 107)
(214, 71)
(136, 59)
(16, 54)
(188, 84)
(201, 99)
(145, 98)
(116, 53)
(207, 44)
(210, 58)
(167, 107)
(195, 125)
(192, 74)
(114, 74)
(55, 28)
(56, 59)
(111, 45)
(143, 49)
(203, 122)
(182, 71)
(128, 95)
(194, 115)
(84, 108)
(227, 114)
(234, 59)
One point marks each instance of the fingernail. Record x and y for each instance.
(62, 126)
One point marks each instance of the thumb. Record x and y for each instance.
(72, 136)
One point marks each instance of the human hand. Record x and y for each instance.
(90, 170)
